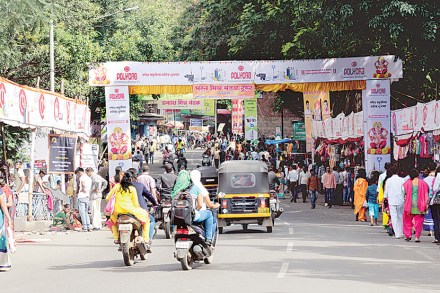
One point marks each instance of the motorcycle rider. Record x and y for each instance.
(167, 181)
(181, 161)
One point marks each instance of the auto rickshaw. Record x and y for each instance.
(244, 196)
(209, 180)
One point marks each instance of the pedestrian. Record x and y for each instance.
(148, 181)
(373, 206)
(5, 223)
(293, 182)
(303, 176)
(312, 187)
(395, 194)
(152, 149)
(345, 187)
(428, 221)
(329, 184)
(85, 185)
(435, 206)
(98, 186)
(360, 193)
(217, 157)
(415, 205)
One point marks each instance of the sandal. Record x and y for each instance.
(417, 240)
(436, 241)
(117, 242)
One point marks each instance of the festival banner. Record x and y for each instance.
(251, 120)
(196, 125)
(312, 112)
(223, 72)
(180, 104)
(224, 91)
(62, 149)
(118, 127)
(377, 117)
(237, 116)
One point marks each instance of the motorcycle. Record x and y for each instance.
(206, 160)
(162, 215)
(189, 238)
(131, 243)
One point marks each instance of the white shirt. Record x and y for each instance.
(394, 190)
(86, 181)
(303, 177)
(293, 176)
(430, 180)
(381, 180)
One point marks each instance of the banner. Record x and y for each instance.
(233, 72)
(377, 114)
(251, 120)
(411, 119)
(118, 127)
(180, 104)
(62, 149)
(224, 92)
(299, 131)
(313, 112)
(25, 106)
(237, 116)
(89, 156)
(196, 125)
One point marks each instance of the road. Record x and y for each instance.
(321, 250)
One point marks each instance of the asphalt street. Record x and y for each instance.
(321, 250)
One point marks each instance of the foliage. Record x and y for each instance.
(16, 139)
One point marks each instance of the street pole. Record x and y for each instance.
(4, 149)
(52, 58)
(174, 118)
(282, 122)
(215, 117)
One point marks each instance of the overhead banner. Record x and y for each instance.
(196, 125)
(250, 120)
(313, 112)
(24, 106)
(237, 116)
(62, 149)
(180, 104)
(411, 119)
(236, 72)
(117, 105)
(224, 92)
(377, 115)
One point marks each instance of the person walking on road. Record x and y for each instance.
(85, 186)
(312, 187)
(148, 181)
(303, 176)
(395, 194)
(99, 184)
(5, 222)
(415, 205)
(360, 194)
(373, 206)
(293, 183)
(329, 184)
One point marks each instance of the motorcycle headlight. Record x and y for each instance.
(221, 194)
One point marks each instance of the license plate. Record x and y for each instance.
(182, 244)
(125, 227)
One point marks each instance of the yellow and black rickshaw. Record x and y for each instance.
(243, 194)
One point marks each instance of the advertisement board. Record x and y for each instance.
(62, 149)
(224, 92)
(251, 120)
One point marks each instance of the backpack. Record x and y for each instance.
(182, 210)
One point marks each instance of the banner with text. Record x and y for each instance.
(224, 91)
(313, 112)
(196, 125)
(118, 127)
(180, 104)
(237, 116)
(377, 114)
(250, 120)
(62, 149)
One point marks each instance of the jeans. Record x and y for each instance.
(152, 224)
(329, 196)
(313, 195)
(435, 210)
(396, 213)
(206, 217)
(83, 206)
(151, 158)
(346, 194)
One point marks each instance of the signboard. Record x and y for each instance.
(245, 72)
(314, 111)
(225, 92)
(237, 116)
(377, 114)
(251, 120)
(196, 125)
(180, 104)
(89, 156)
(299, 131)
(62, 150)
(118, 127)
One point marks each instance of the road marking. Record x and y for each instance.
(289, 247)
(285, 223)
(290, 231)
(283, 270)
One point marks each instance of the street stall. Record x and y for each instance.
(60, 123)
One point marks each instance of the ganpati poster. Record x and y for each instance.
(377, 115)
(313, 111)
(118, 128)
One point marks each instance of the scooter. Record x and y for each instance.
(189, 238)
(131, 243)
(162, 215)
(206, 160)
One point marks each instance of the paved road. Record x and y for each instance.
(321, 250)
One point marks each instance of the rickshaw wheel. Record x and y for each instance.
(245, 227)
(220, 230)
(269, 229)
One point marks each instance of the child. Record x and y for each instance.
(373, 206)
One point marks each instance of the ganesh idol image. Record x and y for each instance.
(378, 136)
(119, 144)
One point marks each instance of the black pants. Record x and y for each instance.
(304, 191)
(435, 210)
(216, 163)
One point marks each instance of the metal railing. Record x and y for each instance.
(40, 210)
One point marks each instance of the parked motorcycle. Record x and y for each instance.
(189, 238)
(131, 242)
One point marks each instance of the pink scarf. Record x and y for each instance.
(422, 196)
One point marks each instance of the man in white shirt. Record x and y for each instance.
(383, 176)
(99, 184)
(303, 177)
(85, 186)
(293, 183)
(395, 194)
